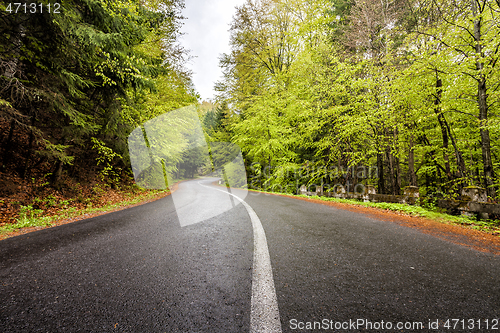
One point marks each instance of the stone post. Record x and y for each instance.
(369, 189)
(319, 190)
(411, 194)
(474, 193)
(303, 189)
(339, 191)
(411, 191)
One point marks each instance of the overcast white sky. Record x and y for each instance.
(206, 35)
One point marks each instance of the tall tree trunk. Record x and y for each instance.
(7, 145)
(8, 139)
(56, 175)
(441, 121)
(392, 171)
(380, 167)
(397, 169)
(483, 109)
(398, 176)
(25, 173)
(412, 177)
(462, 172)
(55, 179)
(448, 135)
(485, 140)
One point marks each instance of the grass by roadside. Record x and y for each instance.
(30, 216)
(433, 213)
(33, 209)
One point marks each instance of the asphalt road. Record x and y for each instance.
(146, 269)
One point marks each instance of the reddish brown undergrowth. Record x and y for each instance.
(48, 201)
(34, 181)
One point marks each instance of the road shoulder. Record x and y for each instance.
(461, 235)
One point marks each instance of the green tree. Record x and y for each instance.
(78, 74)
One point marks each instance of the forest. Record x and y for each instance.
(389, 93)
(73, 84)
(384, 93)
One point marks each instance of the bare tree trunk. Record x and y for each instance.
(441, 121)
(25, 171)
(485, 140)
(56, 175)
(398, 176)
(483, 110)
(397, 169)
(448, 135)
(462, 172)
(412, 177)
(380, 167)
(7, 145)
(392, 171)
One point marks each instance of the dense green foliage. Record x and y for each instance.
(74, 84)
(384, 93)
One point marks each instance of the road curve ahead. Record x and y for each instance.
(145, 270)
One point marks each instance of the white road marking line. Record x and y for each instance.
(264, 316)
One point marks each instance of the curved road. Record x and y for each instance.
(146, 270)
